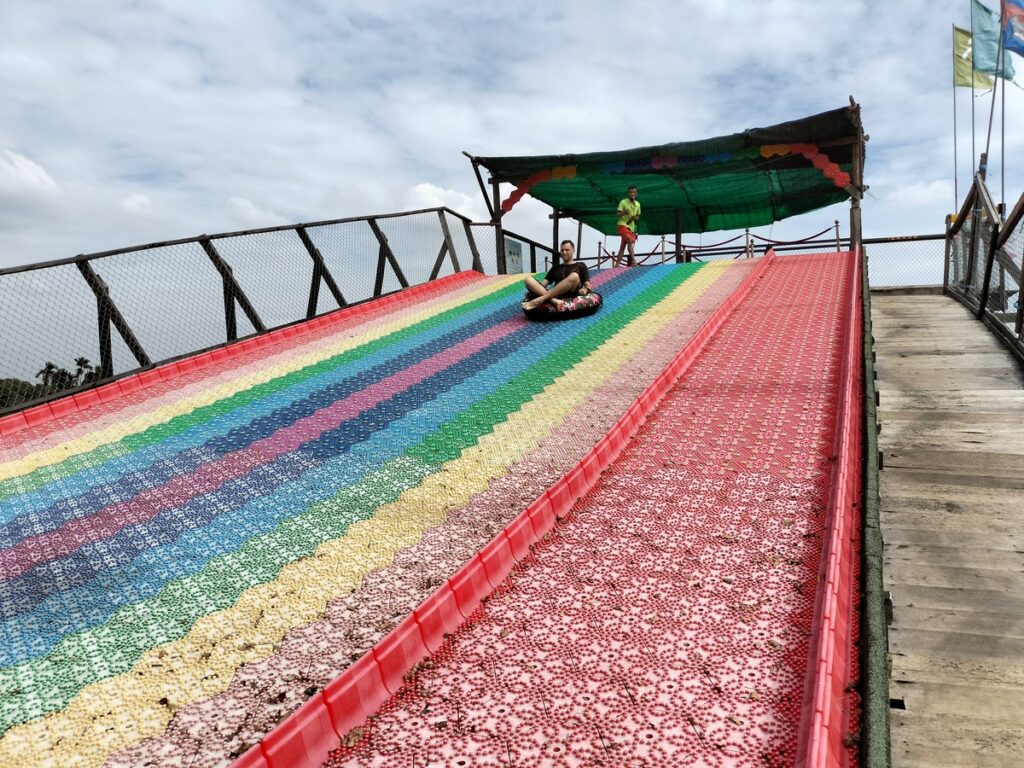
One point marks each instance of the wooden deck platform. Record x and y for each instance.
(952, 516)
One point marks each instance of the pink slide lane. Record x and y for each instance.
(667, 620)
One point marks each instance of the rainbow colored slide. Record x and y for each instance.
(184, 562)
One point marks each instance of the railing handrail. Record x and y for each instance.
(222, 235)
(311, 286)
(965, 210)
(1011, 222)
(976, 262)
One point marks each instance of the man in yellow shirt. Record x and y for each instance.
(628, 213)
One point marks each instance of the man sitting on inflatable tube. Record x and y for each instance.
(570, 293)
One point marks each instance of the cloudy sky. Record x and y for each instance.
(129, 122)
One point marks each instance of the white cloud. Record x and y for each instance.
(137, 203)
(249, 215)
(20, 175)
(156, 129)
(426, 195)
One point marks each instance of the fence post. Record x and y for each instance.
(989, 258)
(499, 231)
(320, 272)
(384, 254)
(449, 245)
(949, 251)
(838, 244)
(107, 313)
(478, 265)
(232, 292)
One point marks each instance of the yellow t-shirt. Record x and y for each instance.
(631, 208)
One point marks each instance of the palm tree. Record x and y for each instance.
(84, 373)
(47, 373)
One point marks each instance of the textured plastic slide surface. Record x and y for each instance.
(827, 701)
(356, 694)
(305, 738)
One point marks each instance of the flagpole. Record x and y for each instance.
(956, 169)
(973, 155)
(1000, 74)
(1003, 21)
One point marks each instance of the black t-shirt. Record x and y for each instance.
(560, 271)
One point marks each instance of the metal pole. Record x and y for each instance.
(320, 272)
(838, 247)
(662, 249)
(579, 238)
(108, 314)
(956, 170)
(949, 250)
(232, 293)
(477, 264)
(680, 257)
(499, 233)
(480, 180)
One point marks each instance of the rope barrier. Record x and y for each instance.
(792, 242)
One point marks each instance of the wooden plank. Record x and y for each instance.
(912, 362)
(952, 645)
(981, 557)
(953, 576)
(938, 668)
(959, 621)
(897, 536)
(952, 515)
(996, 705)
(895, 481)
(922, 741)
(949, 379)
(891, 418)
(983, 463)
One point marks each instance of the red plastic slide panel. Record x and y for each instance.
(438, 616)
(576, 482)
(825, 715)
(356, 694)
(542, 515)
(304, 739)
(497, 560)
(561, 499)
(520, 536)
(591, 468)
(470, 586)
(251, 758)
(399, 651)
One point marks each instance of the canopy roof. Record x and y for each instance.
(747, 179)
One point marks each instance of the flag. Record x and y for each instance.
(963, 66)
(1013, 31)
(986, 46)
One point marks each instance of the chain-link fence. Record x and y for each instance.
(984, 263)
(71, 324)
(74, 323)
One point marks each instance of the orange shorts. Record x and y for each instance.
(627, 234)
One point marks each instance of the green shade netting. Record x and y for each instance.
(747, 179)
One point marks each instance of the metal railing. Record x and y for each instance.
(983, 264)
(74, 323)
(899, 260)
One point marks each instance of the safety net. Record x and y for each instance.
(745, 179)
